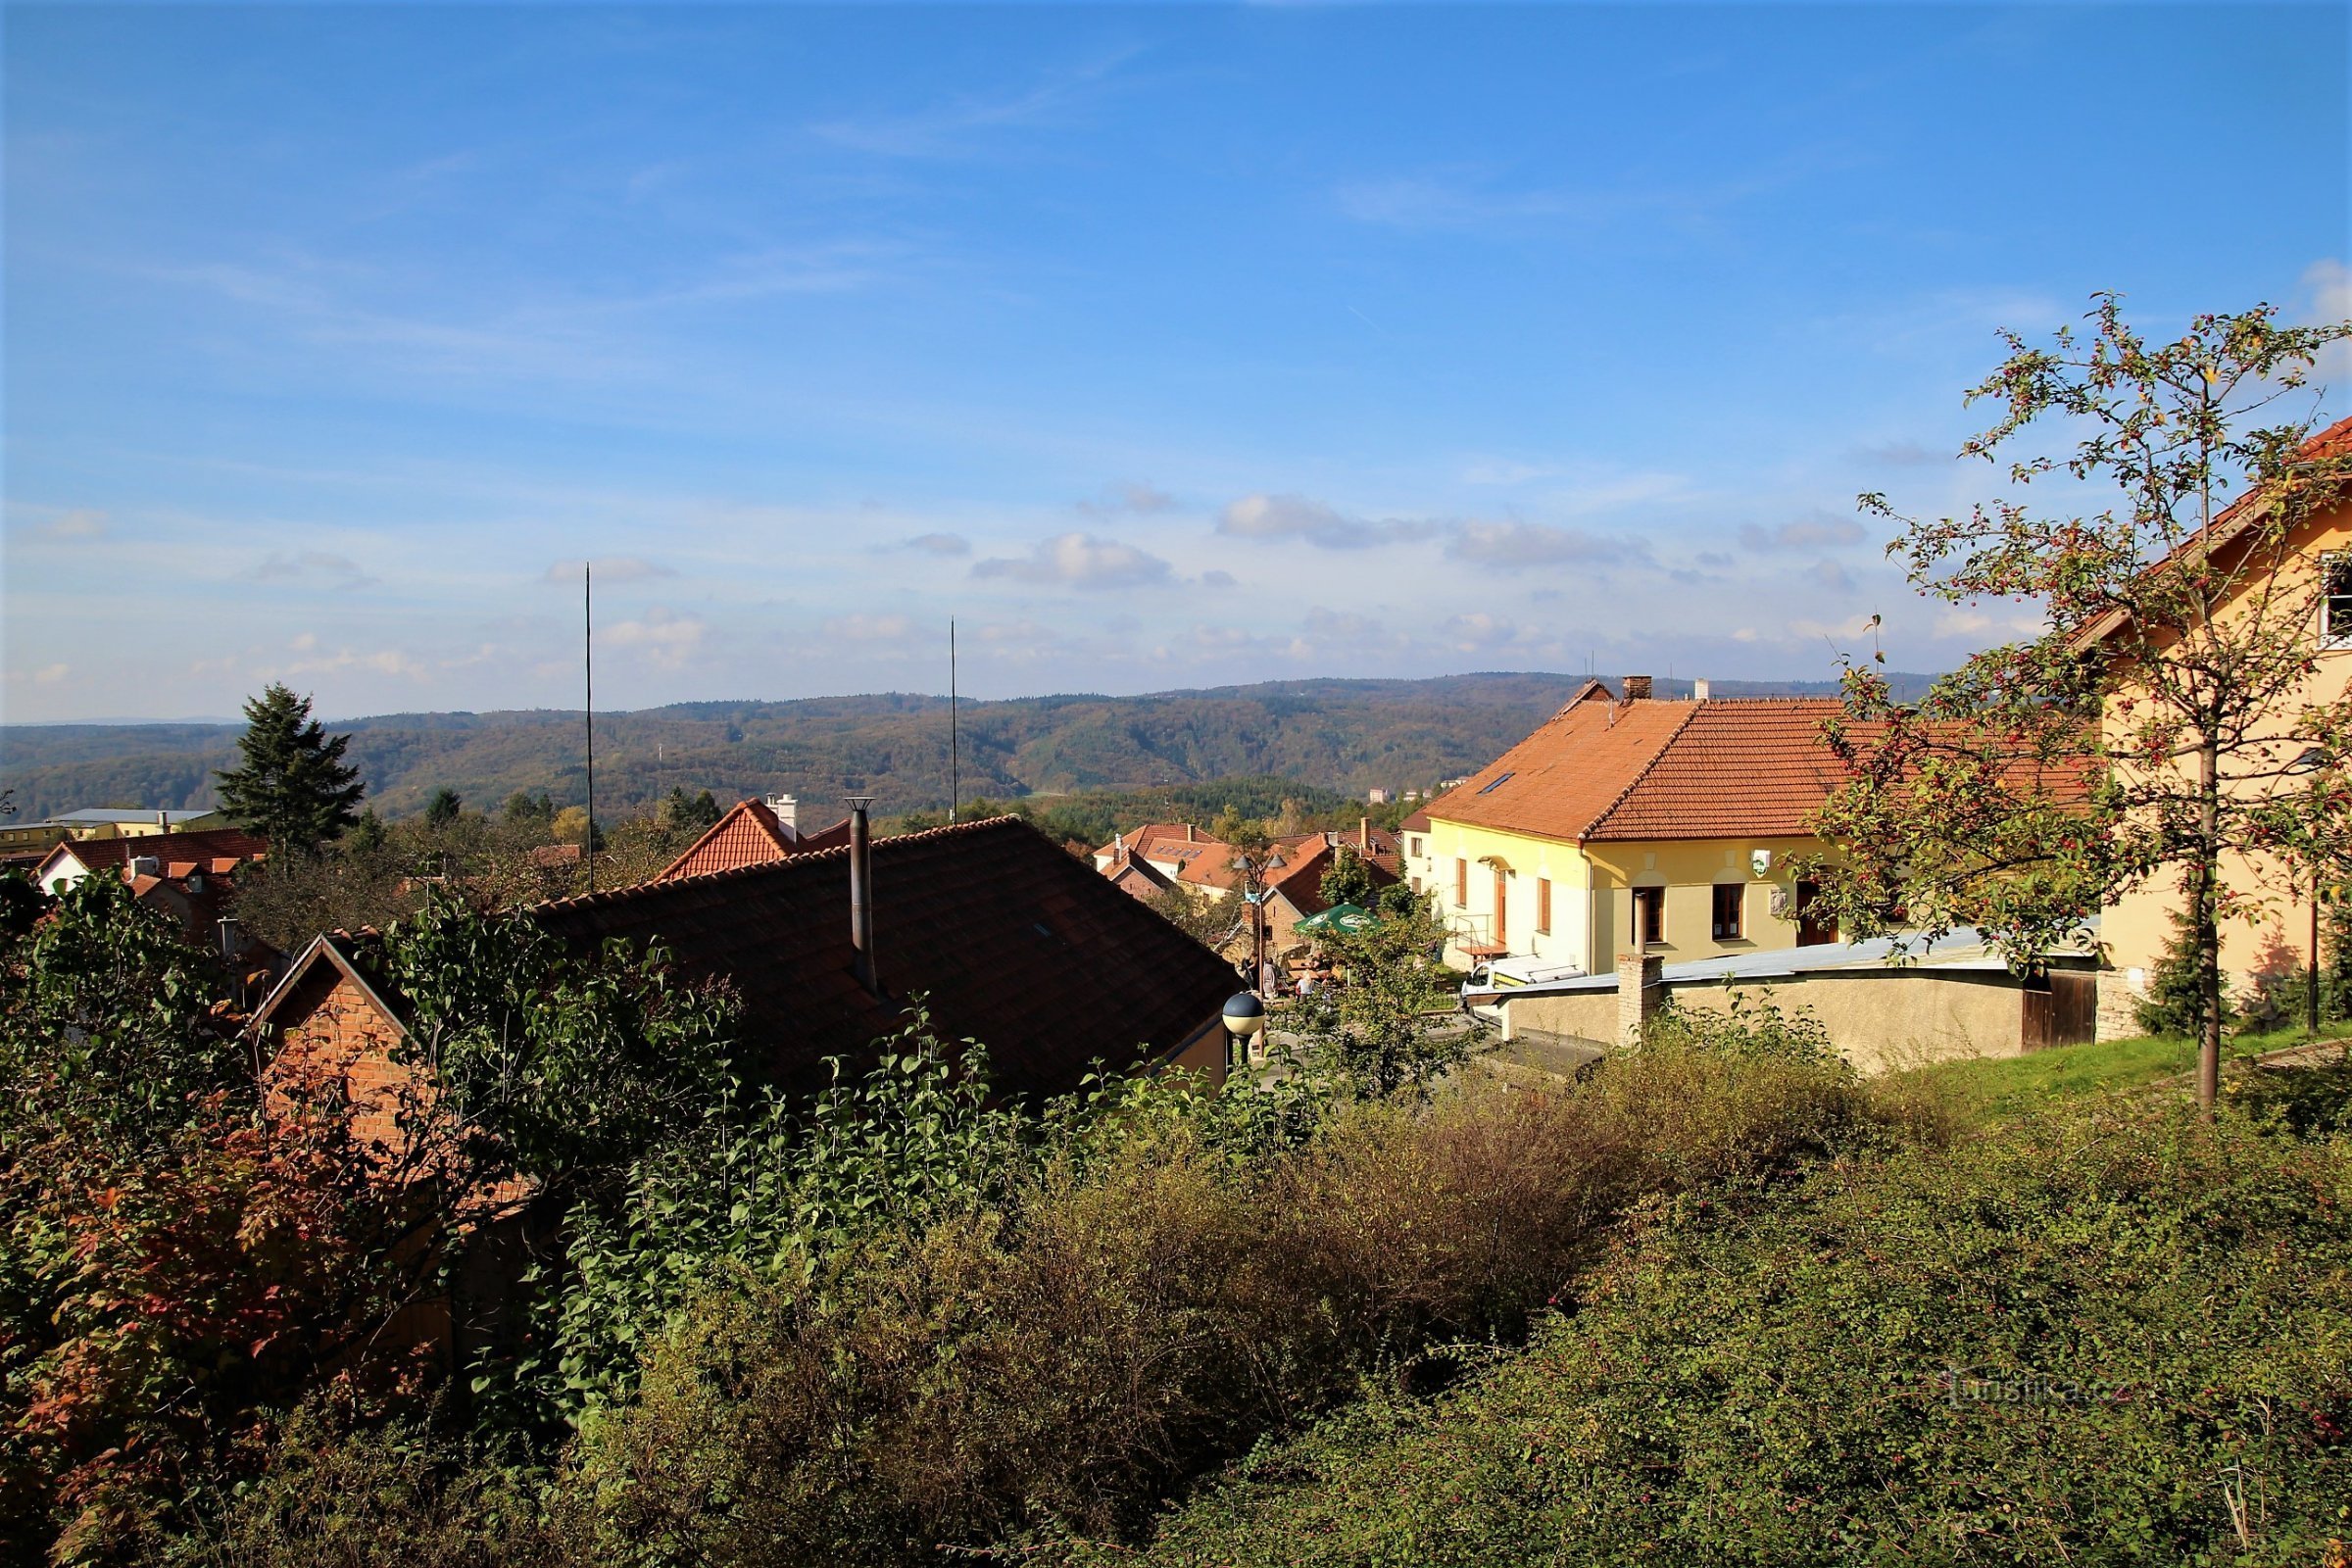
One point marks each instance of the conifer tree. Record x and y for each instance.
(291, 785)
(2175, 1004)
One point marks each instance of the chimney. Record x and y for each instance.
(861, 894)
(1188, 832)
(1363, 831)
(787, 811)
(162, 821)
(1641, 988)
(1699, 690)
(1637, 688)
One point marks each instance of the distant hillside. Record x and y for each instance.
(1347, 735)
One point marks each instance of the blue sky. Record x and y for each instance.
(1161, 347)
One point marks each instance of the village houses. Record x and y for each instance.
(1628, 823)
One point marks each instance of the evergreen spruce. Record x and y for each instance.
(443, 809)
(2335, 962)
(2174, 1005)
(291, 785)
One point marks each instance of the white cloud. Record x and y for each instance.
(937, 543)
(667, 640)
(2328, 283)
(383, 661)
(611, 568)
(1296, 517)
(1138, 499)
(868, 628)
(82, 523)
(1081, 560)
(1817, 530)
(318, 567)
(1530, 544)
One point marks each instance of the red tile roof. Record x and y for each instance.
(750, 834)
(2330, 445)
(1562, 780)
(1714, 769)
(1014, 942)
(203, 846)
(1745, 768)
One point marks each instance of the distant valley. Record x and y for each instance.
(1345, 735)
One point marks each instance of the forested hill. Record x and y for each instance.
(1348, 735)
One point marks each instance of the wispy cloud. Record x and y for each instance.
(1295, 516)
(1125, 500)
(611, 568)
(1081, 560)
(868, 628)
(937, 544)
(959, 126)
(667, 640)
(312, 567)
(1818, 530)
(1534, 544)
(82, 523)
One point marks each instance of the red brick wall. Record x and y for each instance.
(335, 1030)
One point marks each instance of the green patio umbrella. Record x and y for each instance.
(1340, 917)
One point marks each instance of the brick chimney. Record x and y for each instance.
(1641, 986)
(1699, 689)
(1637, 688)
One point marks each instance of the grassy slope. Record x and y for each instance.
(1759, 1384)
(1994, 1089)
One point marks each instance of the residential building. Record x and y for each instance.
(990, 926)
(189, 877)
(2309, 573)
(753, 833)
(1161, 855)
(102, 822)
(1665, 827)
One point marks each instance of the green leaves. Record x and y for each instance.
(290, 785)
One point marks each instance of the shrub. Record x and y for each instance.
(2098, 1342)
(1154, 1294)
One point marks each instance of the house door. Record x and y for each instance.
(1813, 930)
(1503, 924)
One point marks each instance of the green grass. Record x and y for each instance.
(1995, 1088)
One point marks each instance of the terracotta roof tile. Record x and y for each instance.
(1564, 778)
(1716, 770)
(1743, 769)
(1015, 942)
(206, 845)
(750, 834)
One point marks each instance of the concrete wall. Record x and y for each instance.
(1881, 1019)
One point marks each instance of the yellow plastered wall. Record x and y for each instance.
(2137, 928)
(1591, 898)
(1688, 869)
(1880, 1019)
(1530, 859)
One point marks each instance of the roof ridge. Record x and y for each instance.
(754, 809)
(1664, 746)
(580, 901)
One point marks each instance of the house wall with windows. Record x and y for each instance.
(2138, 927)
(1686, 874)
(1469, 868)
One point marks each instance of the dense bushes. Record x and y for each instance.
(2095, 1339)
(1151, 1299)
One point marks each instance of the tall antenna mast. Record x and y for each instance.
(954, 752)
(588, 708)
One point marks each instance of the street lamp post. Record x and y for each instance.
(1245, 1020)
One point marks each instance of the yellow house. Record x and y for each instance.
(103, 822)
(2305, 580)
(1669, 827)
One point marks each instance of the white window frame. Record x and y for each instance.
(2332, 635)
